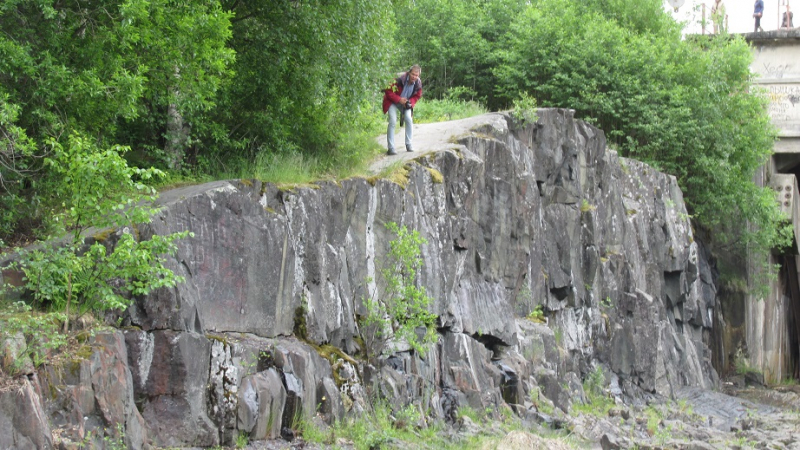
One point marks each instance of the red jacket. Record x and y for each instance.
(392, 94)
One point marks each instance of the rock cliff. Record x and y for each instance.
(542, 217)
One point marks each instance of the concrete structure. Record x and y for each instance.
(772, 323)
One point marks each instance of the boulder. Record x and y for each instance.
(93, 394)
(261, 404)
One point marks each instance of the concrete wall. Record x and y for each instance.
(768, 317)
(777, 66)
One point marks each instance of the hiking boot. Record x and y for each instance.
(409, 148)
(391, 152)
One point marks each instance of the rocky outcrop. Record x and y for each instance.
(517, 219)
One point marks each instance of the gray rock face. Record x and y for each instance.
(261, 404)
(540, 218)
(543, 216)
(23, 423)
(175, 392)
(92, 396)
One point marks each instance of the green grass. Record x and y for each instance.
(242, 439)
(386, 429)
(434, 110)
(598, 403)
(743, 366)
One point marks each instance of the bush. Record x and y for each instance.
(97, 188)
(397, 308)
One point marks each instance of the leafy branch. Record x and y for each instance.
(98, 188)
(399, 307)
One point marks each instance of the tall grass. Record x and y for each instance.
(441, 110)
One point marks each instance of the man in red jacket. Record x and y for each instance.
(401, 96)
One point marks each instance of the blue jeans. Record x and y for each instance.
(393, 121)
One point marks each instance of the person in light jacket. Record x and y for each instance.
(401, 96)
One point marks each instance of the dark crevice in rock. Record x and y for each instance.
(509, 384)
(672, 288)
(293, 410)
(560, 293)
(396, 363)
(492, 343)
(540, 185)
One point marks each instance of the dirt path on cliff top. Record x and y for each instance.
(431, 137)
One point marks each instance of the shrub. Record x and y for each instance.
(400, 307)
(98, 188)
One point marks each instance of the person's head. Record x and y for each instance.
(413, 73)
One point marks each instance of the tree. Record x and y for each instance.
(137, 72)
(111, 69)
(305, 72)
(98, 188)
(684, 106)
(456, 43)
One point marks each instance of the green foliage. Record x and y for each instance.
(400, 307)
(558, 334)
(404, 426)
(40, 332)
(654, 419)
(537, 315)
(598, 403)
(685, 106)
(456, 43)
(586, 206)
(112, 70)
(524, 109)
(18, 159)
(115, 442)
(540, 401)
(742, 365)
(595, 382)
(304, 69)
(408, 417)
(97, 187)
(456, 104)
(242, 439)
(524, 301)
(466, 411)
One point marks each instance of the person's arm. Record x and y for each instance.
(417, 95)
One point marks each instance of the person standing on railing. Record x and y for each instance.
(788, 17)
(758, 11)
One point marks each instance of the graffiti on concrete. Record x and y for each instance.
(783, 101)
(776, 70)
